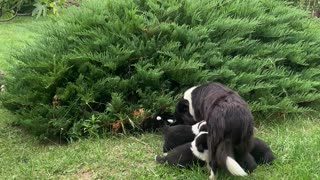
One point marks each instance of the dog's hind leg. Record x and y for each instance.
(225, 158)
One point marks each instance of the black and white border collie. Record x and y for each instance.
(188, 154)
(181, 134)
(229, 122)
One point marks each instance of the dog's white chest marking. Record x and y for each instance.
(187, 96)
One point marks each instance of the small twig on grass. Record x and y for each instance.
(149, 148)
(136, 139)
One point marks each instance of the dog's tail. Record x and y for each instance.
(161, 159)
(224, 157)
(221, 149)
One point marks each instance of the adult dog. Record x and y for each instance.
(229, 123)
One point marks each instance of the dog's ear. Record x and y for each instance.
(182, 106)
(201, 142)
(200, 148)
(182, 114)
(203, 128)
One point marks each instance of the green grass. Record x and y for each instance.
(13, 36)
(295, 143)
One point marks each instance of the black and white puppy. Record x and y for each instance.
(181, 134)
(158, 121)
(229, 122)
(188, 154)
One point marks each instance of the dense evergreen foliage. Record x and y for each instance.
(117, 61)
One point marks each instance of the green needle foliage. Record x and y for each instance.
(98, 63)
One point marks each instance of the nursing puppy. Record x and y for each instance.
(188, 154)
(157, 121)
(229, 122)
(181, 134)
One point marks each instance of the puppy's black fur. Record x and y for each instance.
(261, 152)
(181, 134)
(153, 124)
(187, 154)
(229, 123)
(182, 114)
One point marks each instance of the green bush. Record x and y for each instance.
(1, 79)
(96, 65)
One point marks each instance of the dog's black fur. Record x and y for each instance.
(153, 124)
(181, 134)
(229, 122)
(261, 152)
(187, 154)
(182, 114)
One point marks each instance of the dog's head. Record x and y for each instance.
(184, 110)
(203, 126)
(199, 146)
(158, 121)
(182, 114)
(201, 141)
(199, 127)
(166, 119)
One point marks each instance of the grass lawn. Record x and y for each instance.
(295, 143)
(13, 35)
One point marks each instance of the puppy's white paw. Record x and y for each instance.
(170, 121)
